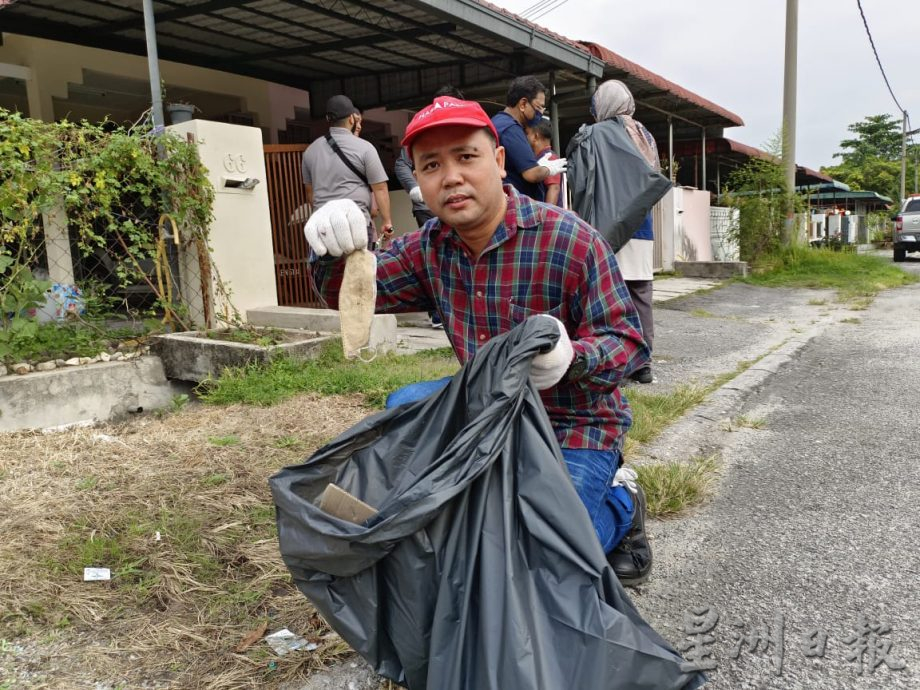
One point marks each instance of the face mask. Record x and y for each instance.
(536, 119)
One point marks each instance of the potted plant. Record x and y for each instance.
(180, 112)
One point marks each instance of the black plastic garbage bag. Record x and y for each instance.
(481, 569)
(613, 186)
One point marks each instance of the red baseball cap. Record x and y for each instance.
(446, 110)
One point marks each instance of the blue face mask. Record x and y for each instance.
(537, 116)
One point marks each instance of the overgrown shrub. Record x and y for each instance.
(758, 190)
(114, 184)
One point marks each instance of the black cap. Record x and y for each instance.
(340, 107)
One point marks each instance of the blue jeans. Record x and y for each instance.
(610, 508)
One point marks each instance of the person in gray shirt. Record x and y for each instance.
(353, 172)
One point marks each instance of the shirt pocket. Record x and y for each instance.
(515, 314)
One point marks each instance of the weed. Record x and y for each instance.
(287, 442)
(817, 302)
(744, 422)
(178, 402)
(87, 483)
(702, 313)
(216, 479)
(852, 320)
(224, 440)
(671, 488)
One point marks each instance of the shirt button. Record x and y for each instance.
(479, 293)
(482, 336)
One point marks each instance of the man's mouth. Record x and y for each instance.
(456, 199)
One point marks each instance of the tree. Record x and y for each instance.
(872, 159)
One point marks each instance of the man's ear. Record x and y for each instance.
(500, 160)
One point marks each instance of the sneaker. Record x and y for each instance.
(631, 560)
(643, 375)
(435, 319)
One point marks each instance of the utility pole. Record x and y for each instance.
(904, 135)
(903, 154)
(153, 67)
(789, 92)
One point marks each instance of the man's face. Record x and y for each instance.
(460, 171)
(532, 107)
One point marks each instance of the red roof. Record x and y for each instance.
(649, 77)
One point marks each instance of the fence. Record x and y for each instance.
(115, 279)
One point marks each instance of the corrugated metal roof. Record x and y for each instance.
(383, 53)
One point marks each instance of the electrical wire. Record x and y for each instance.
(536, 7)
(548, 10)
(877, 59)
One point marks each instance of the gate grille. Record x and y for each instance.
(287, 199)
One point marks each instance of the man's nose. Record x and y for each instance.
(452, 175)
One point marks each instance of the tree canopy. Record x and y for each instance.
(871, 160)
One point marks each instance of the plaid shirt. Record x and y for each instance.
(541, 259)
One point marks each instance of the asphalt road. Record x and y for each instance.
(810, 553)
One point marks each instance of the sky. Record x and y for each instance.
(732, 53)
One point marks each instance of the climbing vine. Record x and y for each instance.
(114, 184)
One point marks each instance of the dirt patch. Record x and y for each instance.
(179, 509)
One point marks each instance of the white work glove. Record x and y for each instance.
(555, 166)
(337, 228)
(547, 369)
(416, 195)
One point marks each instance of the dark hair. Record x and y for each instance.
(523, 87)
(543, 129)
(449, 90)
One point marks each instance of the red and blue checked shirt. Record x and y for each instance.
(541, 259)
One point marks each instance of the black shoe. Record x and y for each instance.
(643, 375)
(631, 560)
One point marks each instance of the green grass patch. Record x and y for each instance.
(853, 320)
(673, 487)
(224, 440)
(854, 276)
(653, 412)
(328, 374)
(702, 313)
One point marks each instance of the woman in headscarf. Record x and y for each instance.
(613, 99)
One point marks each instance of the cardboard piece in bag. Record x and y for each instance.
(336, 501)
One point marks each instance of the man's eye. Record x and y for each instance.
(430, 166)
(467, 156)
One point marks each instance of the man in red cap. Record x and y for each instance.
(492, 258)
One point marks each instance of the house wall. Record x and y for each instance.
(692, 241)
(54, 64)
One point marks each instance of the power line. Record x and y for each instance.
(547, 11)
(872, 43)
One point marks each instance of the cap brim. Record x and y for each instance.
(458, 122)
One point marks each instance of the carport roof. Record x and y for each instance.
(379, 52)
(384, 53)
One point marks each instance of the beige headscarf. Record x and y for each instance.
(613, 99)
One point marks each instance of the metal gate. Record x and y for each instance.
(287, 200)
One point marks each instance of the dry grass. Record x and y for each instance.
(176, 606)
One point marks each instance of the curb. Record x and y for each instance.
(700, 431)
